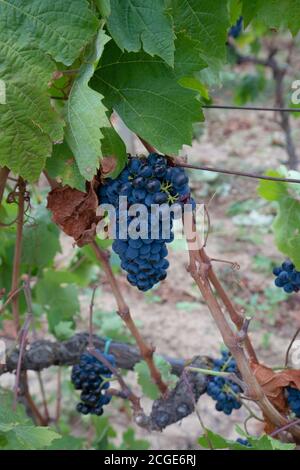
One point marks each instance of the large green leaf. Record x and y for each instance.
(206, 22)
(133, 23)
(28, 124)
(59, 28)
(274, 13)
(85, 115)
(145, 93)
(31, 32)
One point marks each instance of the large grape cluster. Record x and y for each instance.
(148, 181)
(90, 376)
(222, 390)
(287, 277)
(293, 399)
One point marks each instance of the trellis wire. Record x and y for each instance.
(250, 108)
(238, 173)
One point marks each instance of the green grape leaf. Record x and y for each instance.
(113, 146)
(85, 114)
(104, 7)
(206, 22)
(235, 10)
(144, 378)
(28, 123)
(134, 23)
(264, 442)
(188, 58)
(10, 418)
(274, 13)
(62, 166)
(17, 431)
(145, 93)
(29, 31)
(30, 438)
(64, 330)
(286, 225)
(61, 29)
(60, 301)
(249, 88)
(40, 240)
(131, 443)
(66, 443)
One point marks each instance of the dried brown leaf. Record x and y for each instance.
(75, 212)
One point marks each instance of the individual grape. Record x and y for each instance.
(160, 198)
(153, 185)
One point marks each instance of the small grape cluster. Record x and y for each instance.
(148, 181)
(293, 398)
(222, 390)
(287, 277)
(91, 376)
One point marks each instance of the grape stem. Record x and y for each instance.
(290, 347)
(18, 253)
(4, 172)
(215, 373)
(124, 312)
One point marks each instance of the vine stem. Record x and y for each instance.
(124, 312)
(91, 310)
(287, 354)
(18, 253)
(4, 172)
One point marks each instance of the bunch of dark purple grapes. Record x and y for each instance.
(287, 277)
(153, 183)
(223, 390)
(91, 376)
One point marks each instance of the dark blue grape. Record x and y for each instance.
(153, 185)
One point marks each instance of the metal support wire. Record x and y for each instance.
(250, 108)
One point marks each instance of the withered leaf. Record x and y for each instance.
(75, 212)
